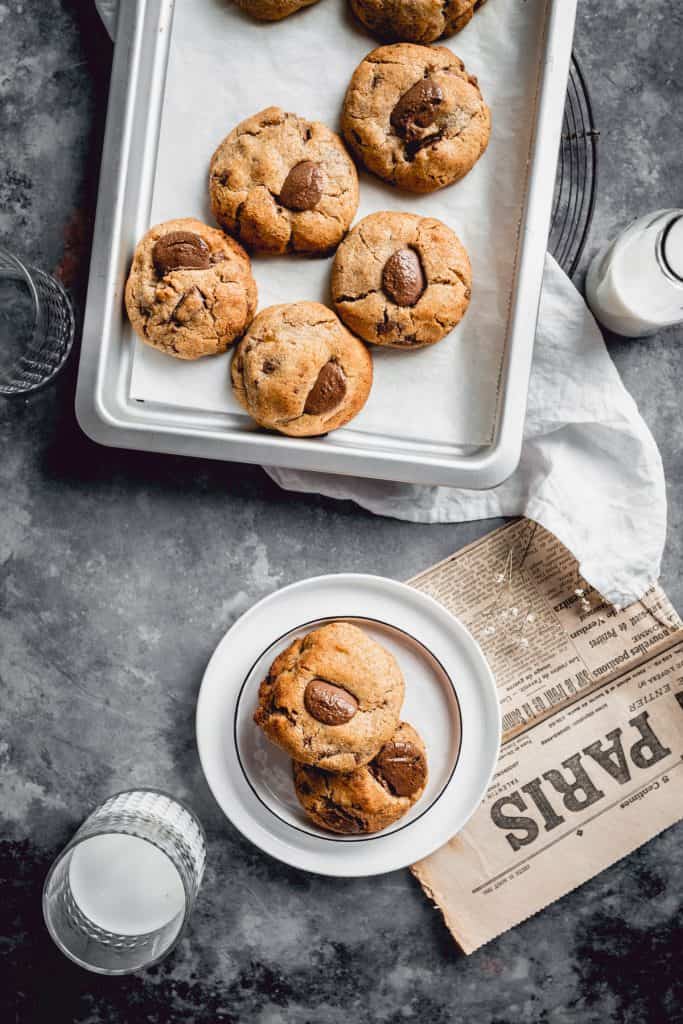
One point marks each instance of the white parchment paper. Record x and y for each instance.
(223, 67)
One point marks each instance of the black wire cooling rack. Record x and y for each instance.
(577, 175)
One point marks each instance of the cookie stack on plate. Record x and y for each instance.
(332, 700)
(280, 184)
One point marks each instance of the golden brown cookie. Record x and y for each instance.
(272, 10)
(281, 183)
(421, 21)
(401, 280)
(371, 797)
(190, 291)
(298, 370)
(332, 699)
(415, 117)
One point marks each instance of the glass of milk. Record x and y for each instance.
(119, 895)
(635, 285)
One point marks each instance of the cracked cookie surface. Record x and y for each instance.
(401, 280)
(281, 184)
(332, 698)
(299, 371)
(422, 21)
(415, 117)
(272, 10)
(190, 292)
(371, 797)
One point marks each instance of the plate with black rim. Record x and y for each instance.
(450, 699)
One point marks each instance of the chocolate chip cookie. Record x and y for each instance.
(332, 699)
(421, 21)
(369, 798)
(298, 370)
(281, 184)
(415, 117)
(401, 280)
(190, 292)
(272, 10)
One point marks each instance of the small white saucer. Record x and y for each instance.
(450, 699)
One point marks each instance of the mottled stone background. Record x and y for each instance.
(119, 572)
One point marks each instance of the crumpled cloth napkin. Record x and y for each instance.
(590, 470)
(108, 10)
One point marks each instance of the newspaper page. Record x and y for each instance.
(591, 764)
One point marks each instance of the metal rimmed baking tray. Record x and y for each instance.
(113, 411)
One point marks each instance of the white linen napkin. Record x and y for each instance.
(590, 470)
(108, 10)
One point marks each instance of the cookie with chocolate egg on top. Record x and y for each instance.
(373, 796)
(401, 280)
(415, 116)
(299, 371)
(190, 291)
(280, 183)
(332, 699)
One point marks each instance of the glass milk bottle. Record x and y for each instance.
(635, 285)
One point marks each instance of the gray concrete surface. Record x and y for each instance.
(119, 572)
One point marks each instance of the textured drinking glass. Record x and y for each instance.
(36, 326)
(120, 894)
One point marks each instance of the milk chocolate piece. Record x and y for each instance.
(417, 109)
(303, 186)
(402, 766)
(328, 390)
(403, 278)
(180, 250)
(341, 820)
(329, 704)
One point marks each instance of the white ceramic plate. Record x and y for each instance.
(450, 699)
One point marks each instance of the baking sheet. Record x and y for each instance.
(223, 67)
